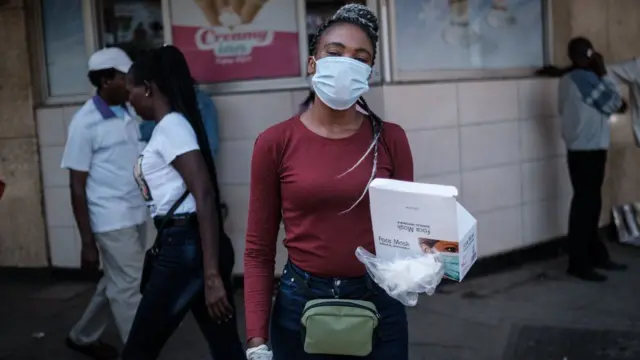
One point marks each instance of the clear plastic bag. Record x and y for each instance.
(406, 278)
(261, 352)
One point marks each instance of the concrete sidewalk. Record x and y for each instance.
(535, 312)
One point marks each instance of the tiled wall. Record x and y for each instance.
(498, 142)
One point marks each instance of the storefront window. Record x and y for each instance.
(319, 11)
(439, 35)
(227, 41)
(64, 47)
(133, 25)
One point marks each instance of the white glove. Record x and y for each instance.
(261, 352)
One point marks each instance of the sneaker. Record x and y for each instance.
(96, 350)
(612, 266)
(587, 275)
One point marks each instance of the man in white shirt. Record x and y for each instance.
(100, 153)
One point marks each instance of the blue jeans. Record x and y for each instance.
(175, 286)
(297, 287)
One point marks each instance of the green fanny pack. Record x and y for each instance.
(339, 327)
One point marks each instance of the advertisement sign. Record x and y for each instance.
(231, 40)
(464, 34)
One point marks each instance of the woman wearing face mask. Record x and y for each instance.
(312, 172)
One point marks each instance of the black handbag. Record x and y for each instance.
(152, 254)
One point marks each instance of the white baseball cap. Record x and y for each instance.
(110, 58)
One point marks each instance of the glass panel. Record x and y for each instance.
(231, 40)
(319, 11)
(64, 45)
(436, 35)
(133, 25)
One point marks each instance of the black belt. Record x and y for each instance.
(177, 220)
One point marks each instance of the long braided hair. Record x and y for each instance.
(361, 16)
(168, 69)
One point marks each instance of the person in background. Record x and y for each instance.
(209, 115)
(192, 271)
(587, 97)
(101, 149)
(323, 202)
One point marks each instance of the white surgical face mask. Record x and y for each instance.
(339, 81)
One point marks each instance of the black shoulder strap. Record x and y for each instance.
(169, 215)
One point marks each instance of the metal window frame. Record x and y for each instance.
(397, 76)
(40, 61)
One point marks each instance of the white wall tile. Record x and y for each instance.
(499, 231)
(63, 247)
(424, 106)
(545, 180)
(51, 127)
(67, 115)
(435, 152)
(52, 173)
(57, 201)
(480, 102)
(540, 138)
(545, 220)
(237, 199)
(490, 189)
(234, 161)
(453, 179)
(489, 145)
(538, 98)
(243, 117)
(376, 101)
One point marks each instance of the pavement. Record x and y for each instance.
(533, 312)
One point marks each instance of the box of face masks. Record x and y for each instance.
(412, 218)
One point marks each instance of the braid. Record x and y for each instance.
(377, 124)
(360, 16)
(168, 69)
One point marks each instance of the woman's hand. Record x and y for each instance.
(260, 352)
(216, 298)
(256, 342)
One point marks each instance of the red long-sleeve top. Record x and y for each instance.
(294, 179)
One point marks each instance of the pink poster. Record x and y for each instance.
(231, 40)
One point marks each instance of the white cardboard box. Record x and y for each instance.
(412, 218)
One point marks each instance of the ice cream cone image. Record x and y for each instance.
(500, 16)
(237, 6)
(250, 10)
(210, 10)
(458, 32)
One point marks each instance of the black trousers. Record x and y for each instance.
(175, 287)
(586, 170)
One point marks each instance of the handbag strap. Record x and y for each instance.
(169, 215)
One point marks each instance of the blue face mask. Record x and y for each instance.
(339, 81)
(451, 267)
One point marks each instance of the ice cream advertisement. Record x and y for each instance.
(231, 40)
